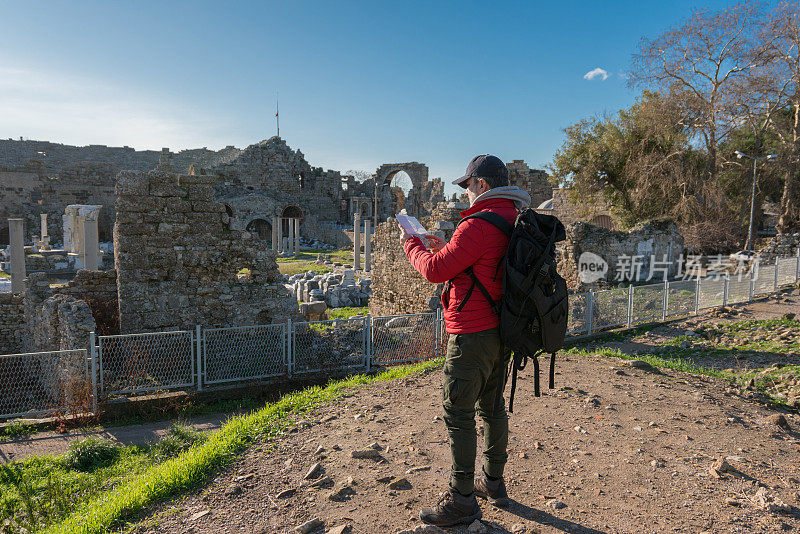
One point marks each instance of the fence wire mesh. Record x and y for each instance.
(45, 383)
(681, 297)
(137, 363)
(326, 346)
(577, 321)
(244, 353)
(647, 303)
(405, 338)
(712, 293)
(764, 280)
(609, 308)
(738, 289)
(787, 271)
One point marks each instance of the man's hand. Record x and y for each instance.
(434, 242)
(406, 236)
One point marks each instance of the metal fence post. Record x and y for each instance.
(199, 358)
(590, 312)
(93, 370)
(664, 301)
(289, 347)
(368, 340)
(725, 291)
(630, 304)
(751, 284)
(775, 277)
(697, 296)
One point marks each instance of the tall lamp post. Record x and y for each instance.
(741, 155)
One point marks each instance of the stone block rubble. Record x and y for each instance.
(336, 290)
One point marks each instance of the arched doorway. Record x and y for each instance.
(398, 184)
(260, 228)
(292, 212)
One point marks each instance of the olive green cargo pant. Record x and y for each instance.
(474, 379)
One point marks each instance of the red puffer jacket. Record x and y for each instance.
(475, 242)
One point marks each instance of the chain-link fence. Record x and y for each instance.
(243, 353)
(325, 346)
(45, 383)
(206, 358)
(137, 363)
(403, 338)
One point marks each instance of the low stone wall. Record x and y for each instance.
(178, 261)
(781, 245)
(54, 321)
(12, 323)
(654, 238)
(98, 289)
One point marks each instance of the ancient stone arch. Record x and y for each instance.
(260, 227)
(418, 172)
(292, 212)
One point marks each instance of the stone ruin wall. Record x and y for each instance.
(534, 181)
(658, 238)
(54, 321)
(12, 323)
(177, 259)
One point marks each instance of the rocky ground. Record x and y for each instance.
(618, 446)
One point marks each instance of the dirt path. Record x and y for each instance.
(52, 442)
(615, 448)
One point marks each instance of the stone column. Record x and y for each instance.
(290, 248)
(275, 230)
(43, 217)
(357, 241)
(296, 237)
(367, 246)
(16, 231)
(91, 243)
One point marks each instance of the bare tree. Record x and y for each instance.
(783, 77)
(703, 59)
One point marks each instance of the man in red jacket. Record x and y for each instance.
(474, 369)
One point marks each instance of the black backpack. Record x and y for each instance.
(534, 307)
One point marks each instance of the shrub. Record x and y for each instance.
(91, 453)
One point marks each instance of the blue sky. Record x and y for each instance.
(360, 83)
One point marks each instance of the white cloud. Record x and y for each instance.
(596, 73)
(61, 107)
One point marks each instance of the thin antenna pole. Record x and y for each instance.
(277, 114)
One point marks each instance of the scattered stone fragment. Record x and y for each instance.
(328, 418)
(341, 529)
(233, 490)
(722, 466)
(288, 463)
(658, 463)
(770, 503)
(322, 482)
(555, 504)
(309, 526)
(518, 528)
(730, 501)
(523, 455)
(286, 493)
(198, 515)
(417, 469)
(372, 454)
(477, 527)
(248, 476)
(400, 484)
(314, 471)
(319, 450)
(779, 419)
(375, 445)
(423, 529)
(537, 445)
(342, 494)
(384, 480)
(643, 366)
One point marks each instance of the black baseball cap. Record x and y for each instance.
(484, 166)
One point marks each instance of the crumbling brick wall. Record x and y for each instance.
(12, 323)
(534, 181)
(98, 289)
(177, 260)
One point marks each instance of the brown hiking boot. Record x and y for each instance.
(452, 509)
(493, 491)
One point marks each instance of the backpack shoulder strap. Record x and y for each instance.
(493, 218)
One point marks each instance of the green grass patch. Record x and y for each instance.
(40, 491)
(4, 274)
(676, 363)
(347, 312)
(296, 267)
(196, 465)
(15, 430)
